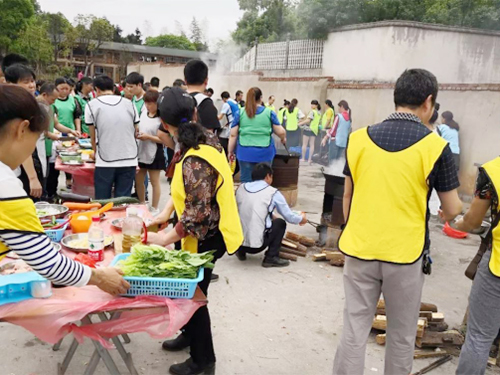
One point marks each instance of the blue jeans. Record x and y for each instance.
(121, 178)
(246, 169)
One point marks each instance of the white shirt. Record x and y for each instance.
(114, 119)
(42, 153)
(148, 149)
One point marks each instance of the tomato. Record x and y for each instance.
(86, 260)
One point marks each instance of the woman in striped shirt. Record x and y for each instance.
(22, 121)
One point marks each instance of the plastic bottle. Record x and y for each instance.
(96, 240)
(131, 229)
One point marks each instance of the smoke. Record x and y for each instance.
(336, 167)
(228, 52)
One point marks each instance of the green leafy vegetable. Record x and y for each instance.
(156, 261)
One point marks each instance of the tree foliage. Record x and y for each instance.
(15, 16)
(171, 41)
(135, 38)
(196, 36)
(92, 33)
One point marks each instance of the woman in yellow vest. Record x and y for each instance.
(328, 116)
(310, 127)
(292, 118)
(483, 321)
(203, 198)
(282, 111)
(22, 121)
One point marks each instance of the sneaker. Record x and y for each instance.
(214, 278)
(241, 255)
(189, 367)
(181, 342)
(275, 262)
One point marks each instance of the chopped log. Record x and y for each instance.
(437, 326)
(427, 315)
(437, 317)
(329, 250)
(422, 354)
(293, 236)
(338, 262)
(294, 252)
(380, 323)
(319, 257)
(294, 245)
(380, 339)
(421, 328)
(423, 307)
(307, 241)
(492, 361)
(440, 339)
(288, 256)
(334, 255)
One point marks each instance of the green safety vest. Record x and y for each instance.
(83, 104)
(324, 121)
(48, 141)
(139, 105)
(281, 115)
(256, 131)
(292, 120)
(314, 125)
(65, 111)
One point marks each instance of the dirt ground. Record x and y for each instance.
(270, 321)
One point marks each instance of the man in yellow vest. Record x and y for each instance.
(394, 166)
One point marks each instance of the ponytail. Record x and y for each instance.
(292, 106)
(191, 135)
(448, 116)
(254, 96)
(345, 105)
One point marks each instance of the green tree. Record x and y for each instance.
(196, 36)
(57, 26)
(34, 43)
(171, 41)
(470, 13)
(15, 15)
(117, 34)
(135, 38)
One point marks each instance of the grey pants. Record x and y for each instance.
(483, 322)
(402, 288)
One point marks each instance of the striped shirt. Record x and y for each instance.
(22, 232)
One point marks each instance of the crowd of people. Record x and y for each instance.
(137, 132)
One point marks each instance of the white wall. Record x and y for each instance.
(383, 53)
(166, 73)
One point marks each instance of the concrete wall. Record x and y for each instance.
(166, 73)
(476, 112)
(381, 51)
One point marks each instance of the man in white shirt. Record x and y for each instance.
(112, 122)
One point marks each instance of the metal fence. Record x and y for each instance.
(295, 54)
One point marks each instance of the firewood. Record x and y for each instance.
(293, 252)
(328, 250)
(423, 307)
(338, 262)
(294, 245)
(307, 241)
(293, 236)
(380, 323)
(440, 339)
(427, 315)
(437, 317)
(422, 354)
(288, 256)
(437, 326)
(331, 255)
(380, 339)
(421, 328)
(319, 257)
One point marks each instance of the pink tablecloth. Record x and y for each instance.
(83, 177)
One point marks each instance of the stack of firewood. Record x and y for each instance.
(295, 245)
(335, 257)
(432, 330)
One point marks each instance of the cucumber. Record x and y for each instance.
(117, 201)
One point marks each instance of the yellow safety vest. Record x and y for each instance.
(281, 115)
(271, 107)
(314, 125)
(292, 120)
(388, 214)
(229, 224)
(327, 116)
(492, 169)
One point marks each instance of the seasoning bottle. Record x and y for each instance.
(131, 229)
(96, 240)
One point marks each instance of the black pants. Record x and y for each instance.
(199, 329)
(272, 239)
(52, 180)
(120, 178)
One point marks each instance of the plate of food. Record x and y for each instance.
(73, 162)
(80, 242)
(17, 266)
(47, 210)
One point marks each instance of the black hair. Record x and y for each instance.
(345, 105)
(17, 103)
(178, 83)
(242, 103)
(329, 103)
(285, 103)
(71, 82)
(104, 83)
(292, 106)
(11, 59)
(435, 115)
(413, 87)
(448, 116)
(165, 88)
(195, 72)
(61, 80)
(239, 92)
(146, 86)
(135, 78)
(261, 171)
(40, 82)
(155, 82)
(48, 88)
(225, 95)
(151, 96)
(17, 72)
(210, 90)
(316, 103)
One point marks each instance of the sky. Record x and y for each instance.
(153, 17)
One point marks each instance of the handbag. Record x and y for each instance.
(471, 270)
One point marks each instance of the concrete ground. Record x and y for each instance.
(270, 321)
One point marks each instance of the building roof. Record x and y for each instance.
(160, 51)
(418, 25)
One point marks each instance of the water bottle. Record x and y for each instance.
(131, 229)
(96, 240)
